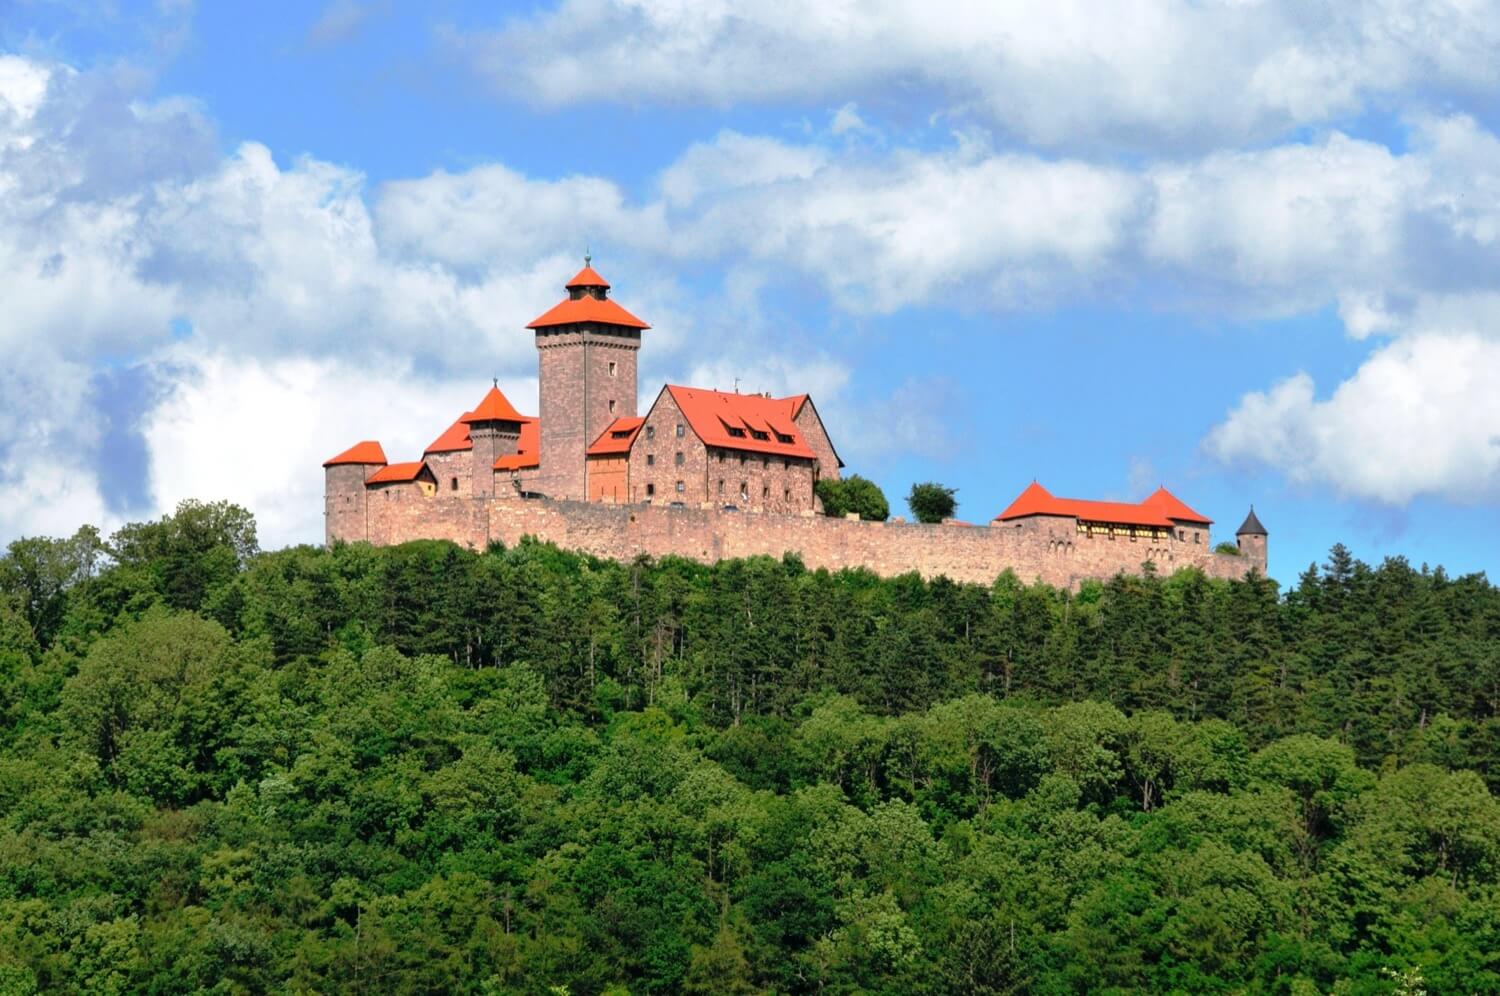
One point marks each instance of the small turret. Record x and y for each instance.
(495, 430)
(1251, 539)
(344, 497)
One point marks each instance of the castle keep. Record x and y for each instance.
(710, 474)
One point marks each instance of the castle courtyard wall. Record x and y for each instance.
(1047, 550)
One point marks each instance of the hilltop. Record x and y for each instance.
(423, 768)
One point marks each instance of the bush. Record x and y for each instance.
(854, 494)
(1232, 549)
(931, 502)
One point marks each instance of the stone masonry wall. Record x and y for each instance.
(579, 396)
(1045, 549)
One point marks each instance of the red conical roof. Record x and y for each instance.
(494, 408)
(587, 277)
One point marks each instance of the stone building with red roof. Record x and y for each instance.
(708, 474)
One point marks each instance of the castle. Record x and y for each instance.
(712, 474)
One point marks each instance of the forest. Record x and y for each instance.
(424, 769)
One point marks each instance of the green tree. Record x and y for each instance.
(853, 494)
(931, 502)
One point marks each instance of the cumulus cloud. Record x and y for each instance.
(1421, 416)
(1069, 73)
(256, 431)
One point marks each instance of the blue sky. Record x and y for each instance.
(1247, 250)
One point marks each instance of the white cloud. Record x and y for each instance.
(256, 432)
(1135, 74)
(1421, 416)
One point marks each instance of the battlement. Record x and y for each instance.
(1051, 550)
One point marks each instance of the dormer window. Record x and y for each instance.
(782, 437)
(737, 433)
(760, 435)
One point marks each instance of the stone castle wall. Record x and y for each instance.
(1046, 549)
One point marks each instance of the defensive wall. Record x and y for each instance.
(1049, 549)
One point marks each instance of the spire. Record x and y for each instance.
(1251, 526)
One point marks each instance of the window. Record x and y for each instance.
(759, 435)
(611, 400)
(721, 487)
(744, 491)
(765, 493)
(736, 432)
(650, 432)
(650, 490)
(786, 494)
(782, 437)
(622, 434)
(721, 456)
(681, 430)
(651, 459)
(611, 370)
(1195, 536)
(679, 458)
(681, 487)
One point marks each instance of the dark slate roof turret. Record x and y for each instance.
(1251, 526)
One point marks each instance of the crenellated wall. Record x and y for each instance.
(1048, 549)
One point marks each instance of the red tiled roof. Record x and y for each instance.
(367, 452)
(617, 438)
(1173, 507)
(453, 439)
(713, 413)
(529, 448)
(587, 277)
(587, 309)
(396, 473)
(1154, 511)
(495, 407)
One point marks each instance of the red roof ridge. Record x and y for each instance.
(607, 445)
(494, 407)
(586, 277)
(397, 473)
(366, 453)
(1162, 509)
(586, 309)
(1173, 507)
(453, 439)
(713, 413)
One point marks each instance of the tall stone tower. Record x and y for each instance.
(1251, 538)
(586, 352)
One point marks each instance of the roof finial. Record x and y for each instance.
(588, 255)
(495, 381)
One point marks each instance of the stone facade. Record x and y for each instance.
(710, 475)
(586, 379)
(1046, 549)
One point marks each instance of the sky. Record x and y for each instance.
(1247, 249)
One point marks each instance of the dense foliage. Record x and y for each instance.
(853, 494)
(931, 502)
(422, 769)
